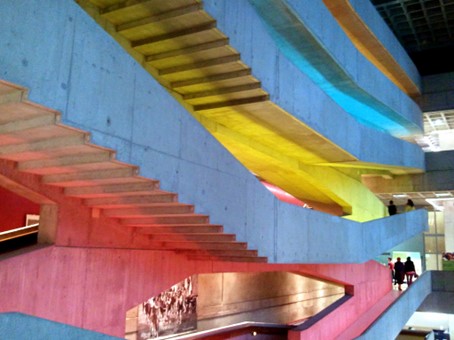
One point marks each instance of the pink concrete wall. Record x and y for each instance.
(94, 287)
(97, 270)
(13, 209)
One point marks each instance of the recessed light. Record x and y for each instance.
(443, 194)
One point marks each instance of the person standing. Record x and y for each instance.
(399, 273)
(392, 209)
(409, 206)
(391, 268)
(410, 271)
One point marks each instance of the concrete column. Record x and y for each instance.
(47, 223)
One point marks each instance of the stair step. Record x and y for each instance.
(134, 187)
(59, 164)
(61, 147)
(211, 80)
(166, 219)
(238, 93)
(187, 52)
(231, 103)
(243, 253)
(200, 65)
(137, 21)
(103, 176)
(204, 71)
(258, 259)
(179, 228)
(143, 212)
(177, 39)
(82, 167)
(24, 121)
(10, 93)
(222, 91)
(146, 199)
(29, 144)
(208, 237)
(219, 246)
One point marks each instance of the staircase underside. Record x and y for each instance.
(33, 139)
(179, 44)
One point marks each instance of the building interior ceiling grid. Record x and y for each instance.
(421, 199)
(419, 24)
(438, 121)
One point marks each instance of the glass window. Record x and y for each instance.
(432, 228)
(440, 221)
(430, 244)
(441, 244)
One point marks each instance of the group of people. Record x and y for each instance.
(392, 209)
(402, 271)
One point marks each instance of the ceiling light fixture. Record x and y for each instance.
(443, 194)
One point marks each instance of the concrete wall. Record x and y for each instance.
(78, 69)
(437, 92)
(440, 300)
(439, 161)
(93, 287)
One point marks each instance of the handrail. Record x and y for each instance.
(18, 232)
(393, 319)
(238, 328)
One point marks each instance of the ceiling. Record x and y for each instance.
(420, 199)
(426, 30)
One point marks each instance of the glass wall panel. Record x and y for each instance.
(440, 221)
(441, 244)
(430, 244)
(432, 227)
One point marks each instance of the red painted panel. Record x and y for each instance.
(13, 209)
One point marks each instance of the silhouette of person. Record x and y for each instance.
(391, 268)
(392, 209)
(410, 271)
(409, 206)
(399, 272)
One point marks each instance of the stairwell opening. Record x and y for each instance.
(224, 304)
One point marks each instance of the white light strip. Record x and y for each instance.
(18, 229)
(443, 194)
(437, 203)
(400, 195)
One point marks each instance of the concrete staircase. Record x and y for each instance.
(33, 137)
(179, 44)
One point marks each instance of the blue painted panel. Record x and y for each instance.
(18, 326)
